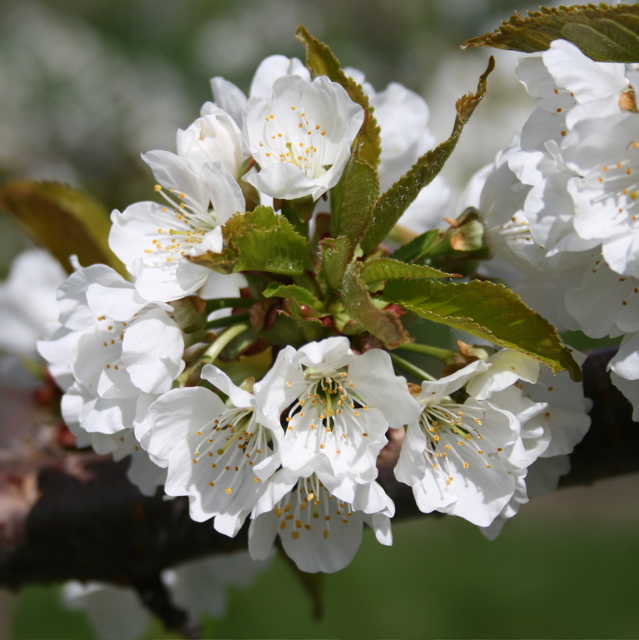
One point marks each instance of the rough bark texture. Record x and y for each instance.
(76, 516)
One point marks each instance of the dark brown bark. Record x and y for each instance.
(76, 516)
(611, 446)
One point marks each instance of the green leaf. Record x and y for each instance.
(603, 33)
(322, 62)
(295, 292)
(298, 212)
(352, 201)
(360, 306)
(64, 220)
(259, 240)
(392, 204)
(417, 248)
(387, 269)
(353, 197)
(486, 310)
(336, 256)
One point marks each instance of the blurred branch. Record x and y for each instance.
(611, 446)
(76, 516)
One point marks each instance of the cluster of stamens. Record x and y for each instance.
(630, 289)
(111, 334)
(231, 443)
(327, 399)
(620, 183)
(310, 505)
(301, 146)
(451, 429)
(192, 225)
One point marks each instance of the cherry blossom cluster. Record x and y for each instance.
(560, 204)
(291, 442)
(313, 483)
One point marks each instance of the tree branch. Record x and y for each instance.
(76, 516)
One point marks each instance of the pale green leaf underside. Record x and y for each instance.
(64, 220)
(387, 269)
(485, 310)
(360, 306)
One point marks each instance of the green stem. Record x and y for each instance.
(444, 355)
(211, 354)
(191, 375)
(409, 367)
(228, 320)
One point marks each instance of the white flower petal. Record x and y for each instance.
(152, 351)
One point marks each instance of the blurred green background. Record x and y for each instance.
(565, 567)
(87, 86)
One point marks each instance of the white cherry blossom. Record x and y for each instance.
(217, 454)
(606, 186)
(528, 212)
(152, 240)
(596, 86)
(337, 406)
(511, 508)
(592, 89)
(529, 218)
(319, 531)
(214, 137)
(113, 426)
(471, 459)
(548, 120)
(504, 368)
(601, 301)
(460, 458)
(114, 342)
(301, 136)
(118, 363)
(565, 417)
(624, 371)
(233, 100)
